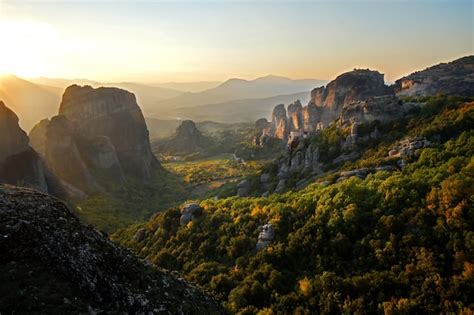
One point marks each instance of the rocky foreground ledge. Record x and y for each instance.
(51, 262)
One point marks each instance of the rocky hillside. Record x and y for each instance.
(455, 78)
(52, 262)
(19, 163)
(98, 139)
(390, 231)
(348, 116)
(326, 104)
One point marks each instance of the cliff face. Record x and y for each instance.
(13, 139)
(186, 140)
(51, 262)
(113, 113)
(347, 88)
(455, 78)
(279, 124)
(326, 105)
(19, 163)
(64, 156)
(98, 139)
(295, 116)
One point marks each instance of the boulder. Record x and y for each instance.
(189, 212)
(243, 188)
(281, 186)
(266, 236)
(139, 235)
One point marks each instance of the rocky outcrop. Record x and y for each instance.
(280, 123)
(379, 108)
(38, 137)
(54, 263)
(189, 212)
(113, 113)
(311, 114)
(243, 188)
(98, 140)
(265, 237)
(453, 78)
(347, 88)
(19, 163)
(408, 147)
(295, 116)
(187, 139)
(63, 155)
(328, 103)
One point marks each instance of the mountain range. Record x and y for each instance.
(163, 101)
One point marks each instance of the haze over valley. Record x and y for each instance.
(244, 157)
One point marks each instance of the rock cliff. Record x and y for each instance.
(326, 105)
(186, 140)
(19, 163)
(113, 113)
(98, 139)
(52, 262)
(454, 78)
(356, 85)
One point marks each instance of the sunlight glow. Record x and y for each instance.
(26, 43)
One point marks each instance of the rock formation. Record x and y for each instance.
(265, 237)
(280, 123)
(326, 105)
(98, 139)
(454, 78)
(186, 140)
(19, 163)
(349, 87)
(189, 212)
(64, 156)
(53, 263)
(295, 116)
(243, 188)
(113, 113)
(378, 108)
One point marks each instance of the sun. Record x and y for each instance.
(24, 47)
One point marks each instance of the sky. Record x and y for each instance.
(159, 41)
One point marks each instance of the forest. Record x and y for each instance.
(396, 242)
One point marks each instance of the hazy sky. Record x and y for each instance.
(184, 41)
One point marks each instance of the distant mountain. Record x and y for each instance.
(31, 102)
(193, 87)
(240, 110)
(239, 89)
(147, 95)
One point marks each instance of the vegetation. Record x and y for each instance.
(214, 168)
(394, 242)
(216, 140)
(134, 202)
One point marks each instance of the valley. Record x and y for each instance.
(356, 197)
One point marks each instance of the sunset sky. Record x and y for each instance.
(155, 41)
